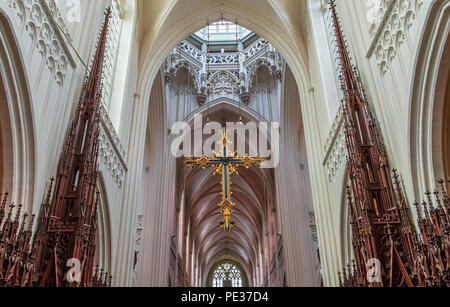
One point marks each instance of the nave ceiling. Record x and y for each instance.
(253, 193)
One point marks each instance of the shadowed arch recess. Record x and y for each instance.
(428, 100)
(17, 127)
(251, 193)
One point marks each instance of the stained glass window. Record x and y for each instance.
(227, 275)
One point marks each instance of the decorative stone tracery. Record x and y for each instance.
(112, 154)
(336, 152)
(390, 28)
(43, 22)
(226, 70)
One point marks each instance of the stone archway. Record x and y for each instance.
(103, 256)
(446, 135)
(6, 152)
(17, 140)
(253, 192)
(429, 101)
(155, 49)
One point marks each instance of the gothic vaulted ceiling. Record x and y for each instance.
(287, 18)
(252, 197)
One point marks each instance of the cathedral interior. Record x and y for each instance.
(111, 175)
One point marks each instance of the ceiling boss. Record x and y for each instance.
(226, 164)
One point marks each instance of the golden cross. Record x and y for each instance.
(226, 164)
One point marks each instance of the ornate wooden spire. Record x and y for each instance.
(68, 222)
(379, 215)
(387, 249)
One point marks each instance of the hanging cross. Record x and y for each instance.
(226, 164)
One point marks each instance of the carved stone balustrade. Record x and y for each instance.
(226, 70)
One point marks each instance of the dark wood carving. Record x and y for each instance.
(388, 252)
(67, 225)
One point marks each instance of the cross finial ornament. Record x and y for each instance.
(226, 164)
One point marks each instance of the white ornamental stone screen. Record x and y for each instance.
(112, 50)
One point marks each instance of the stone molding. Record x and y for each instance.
(390, 29)
(112, 154)
(44, 24)
(335, 147)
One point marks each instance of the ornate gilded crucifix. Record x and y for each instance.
(226, 164)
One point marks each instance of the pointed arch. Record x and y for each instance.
(261, 63)
(190, 69)
(154, 53)
(17, 123)
(174, 24)
(103, 249)
(227, 72)
(428, 99)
